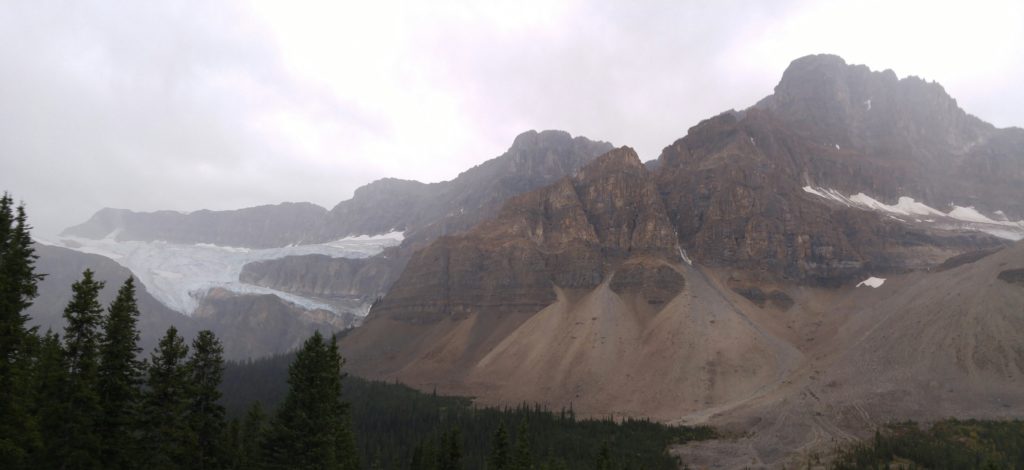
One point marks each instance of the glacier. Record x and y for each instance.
(179, 275)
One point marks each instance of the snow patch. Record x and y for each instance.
(873, 282)
(178, 275)
(958, 218)
(682, 254)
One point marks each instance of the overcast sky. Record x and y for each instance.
(212, 104)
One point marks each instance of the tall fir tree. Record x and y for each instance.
(313, 428)
(501, 457)
(18, 436)
(120, 376)
(168, 440)
(84, 314)
(206, 415)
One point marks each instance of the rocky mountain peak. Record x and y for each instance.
(853, 106)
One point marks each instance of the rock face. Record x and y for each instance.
(570, 235)
(254, 227)
(324, 276)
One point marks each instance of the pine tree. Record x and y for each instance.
(206, 367)
(168, 440)
(312, 429)
(120, 375)
(522, 460)
(81, 347)
(500, 458)
(18, 436)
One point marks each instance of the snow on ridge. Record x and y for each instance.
(872, 282)
(179, 275)
(957, 218)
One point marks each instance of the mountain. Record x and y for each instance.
(575, 293)
(239, 273)
(422, 210)
(730, 279)
(254, 227)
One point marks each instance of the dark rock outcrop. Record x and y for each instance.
(1012, 276)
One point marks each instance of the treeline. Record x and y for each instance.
(397, 427)
(950, 444)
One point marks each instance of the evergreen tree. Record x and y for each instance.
(522, 460)
(604, 458)
(83, 314)
(17, 289)
(252, 439)
(206, 367)
(120, 375)
(500, 458)
(168, 440)
(50, 380)
(450, 456)
(312, 429)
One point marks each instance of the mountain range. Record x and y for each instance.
(842, 253)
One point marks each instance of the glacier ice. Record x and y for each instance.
(178, 275)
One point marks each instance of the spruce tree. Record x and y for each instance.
(50, 381)
(18, 281)
(450, 456)
(253, 436)
(206, 415)
(522, 460)
(168, 440)
(120, 375)
(84, 315)
(500, 458)
(313, 429)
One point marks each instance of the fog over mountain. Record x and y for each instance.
(198, 105)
